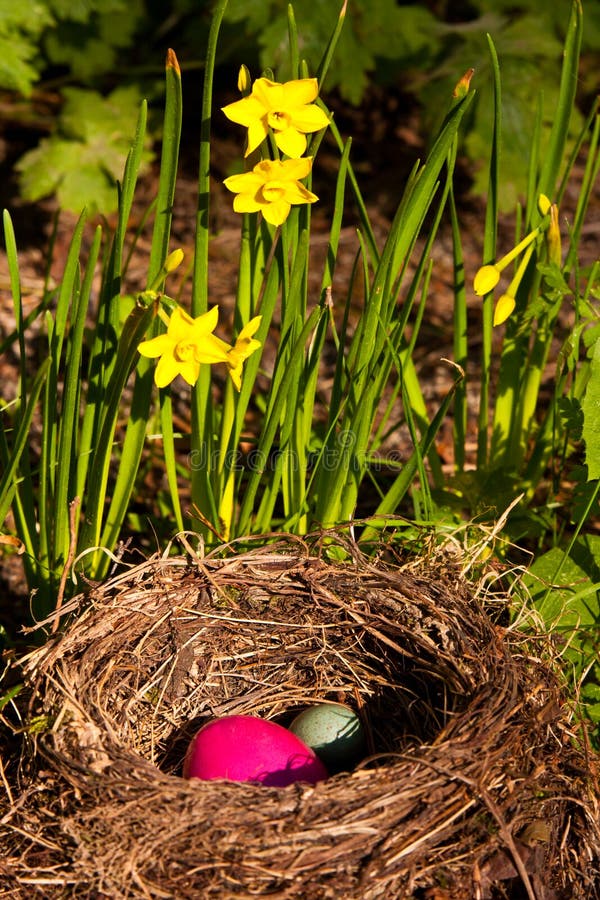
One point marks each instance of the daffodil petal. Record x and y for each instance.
(310, 118)
(247, 183)
(503, 308)
(291, 142)
(244, 111)
(211, 350)
(205, 324)
(295, 169)
(180, 324)
(249, 329)
(269, 94)
(235, 373)
(190, 370)
(276, 213)
(296, 193)
(300, 91)
(246, 203)
(167, 368)
(257, 132)
(156, 346)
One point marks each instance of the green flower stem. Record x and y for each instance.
(135, 434)
(460, 342)
(68, 434)
(489, 254)
(203, 427)
(555, 150)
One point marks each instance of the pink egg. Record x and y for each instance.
(245, 748)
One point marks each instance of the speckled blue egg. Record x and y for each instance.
(334, 732)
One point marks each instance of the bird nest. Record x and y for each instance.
(473, 784)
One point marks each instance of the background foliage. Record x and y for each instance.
(413, 48)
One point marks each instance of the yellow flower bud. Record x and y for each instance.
(553, 237)
(244, 81)
(462, 86)
(543, 205)
(486, 280)
(503, 308)
(173, 260)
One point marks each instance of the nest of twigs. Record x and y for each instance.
(474, 785)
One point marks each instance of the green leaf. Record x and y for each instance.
(374, 30)
(82, 161)
(20, 27)
(16, 70)
(565, 590)
(591, 416)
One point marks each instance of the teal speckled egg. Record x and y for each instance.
(334, 732)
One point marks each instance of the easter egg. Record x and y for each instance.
(246, 748)
(334, 732)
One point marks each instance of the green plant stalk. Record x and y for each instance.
(460, 342)
(133, 332)
(68, 425)
(102, 355)
(266, 295)
(201, 408)
(402, 483)
(504, 449)
(555, 150)
(533, 214)
(51, 417)
(489, 254)
(293, 42)
(338, 490)
(15, 288)
(330, 49)
(25, 500)
(294, 438)
(590, 175)
(12, 457)
(135, 433)
(528, 398)
(280, 389)
(367, 229)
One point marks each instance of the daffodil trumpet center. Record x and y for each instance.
(279, 120)
(273, 191)
(184, 351)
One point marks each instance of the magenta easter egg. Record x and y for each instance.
(246, 748)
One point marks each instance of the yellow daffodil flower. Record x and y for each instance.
(244, 347)
(186, 345)
(287, 109)
(272, 187)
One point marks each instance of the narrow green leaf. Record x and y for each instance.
(133, 332)
(554, 153)
(7, 483)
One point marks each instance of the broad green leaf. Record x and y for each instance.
(86, 156)
(565, 589)
(17, 72)
(590, 408)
